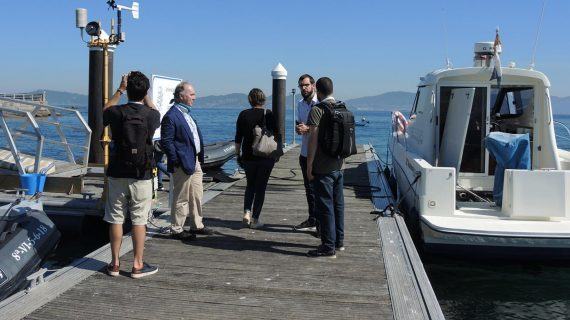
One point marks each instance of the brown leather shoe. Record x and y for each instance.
(113, 271)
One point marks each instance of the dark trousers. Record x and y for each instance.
(329, 206)
(308, 189)
(257, 175)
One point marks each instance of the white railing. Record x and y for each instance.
(563, 128)
(77, 125)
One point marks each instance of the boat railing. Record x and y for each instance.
(38, 128)
(561, 127)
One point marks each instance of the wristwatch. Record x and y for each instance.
(121, 92)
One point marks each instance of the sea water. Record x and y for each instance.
(466, 289)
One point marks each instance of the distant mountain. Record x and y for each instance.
(231, 100)
(388, 101)
(62, 98)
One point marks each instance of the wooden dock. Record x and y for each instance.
(240, 273)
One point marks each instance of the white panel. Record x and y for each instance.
(456, 125)
(435, 188)
(162, 91)
(540, 193)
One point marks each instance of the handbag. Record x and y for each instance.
(264, 145)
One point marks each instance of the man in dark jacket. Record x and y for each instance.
(183, 145)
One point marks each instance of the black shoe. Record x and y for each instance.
(320, 252)
(339, 246)
(167, 232)
(316, 234)
(204, 231)
(306, 225)
(160, 188)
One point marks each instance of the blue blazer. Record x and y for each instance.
(177, 141)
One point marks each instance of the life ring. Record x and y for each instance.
(399, 122)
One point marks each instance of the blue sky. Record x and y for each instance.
(366, 47)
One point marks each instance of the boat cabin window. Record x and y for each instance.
(462, 117)
(422, 102)
(415, 104)
(512, 109)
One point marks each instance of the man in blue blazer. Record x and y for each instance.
(183, 145)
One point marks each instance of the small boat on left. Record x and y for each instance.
(363, 122)
(27, 237)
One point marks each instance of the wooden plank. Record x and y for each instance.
(410, 289)
(242, 273)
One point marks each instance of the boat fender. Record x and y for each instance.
(13, 227)
(3, 236)
(399, 122)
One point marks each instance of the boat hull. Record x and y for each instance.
(29, 237)
(216, 154)
(500, 246)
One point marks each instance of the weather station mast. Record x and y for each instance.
(101, 51)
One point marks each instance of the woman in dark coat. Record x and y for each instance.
(257, 169)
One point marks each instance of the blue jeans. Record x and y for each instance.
(309, 193)
(160, 165)
(329, 208)
(257, 175)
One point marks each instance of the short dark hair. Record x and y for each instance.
(325, 86)
(256, 97)
(303, 77)
(137, 86)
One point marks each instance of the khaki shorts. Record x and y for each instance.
(128, 195)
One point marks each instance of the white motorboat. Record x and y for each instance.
(445, 174)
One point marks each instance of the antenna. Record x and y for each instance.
(537, 36)
(448, 64)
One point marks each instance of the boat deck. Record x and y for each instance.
(241, 273)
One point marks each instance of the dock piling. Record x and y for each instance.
(279, 75)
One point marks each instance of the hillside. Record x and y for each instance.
(388, 101)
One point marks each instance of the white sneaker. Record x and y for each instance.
(246, 218)
(255, 224)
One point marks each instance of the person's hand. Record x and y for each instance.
(148, 102)
(302, 128)
(124, 79)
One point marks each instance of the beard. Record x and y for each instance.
(307, 95)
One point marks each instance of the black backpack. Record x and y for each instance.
(133, 146)
(337, 130)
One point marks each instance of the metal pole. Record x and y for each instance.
(294, 118)
(105, 99)
(95, 113)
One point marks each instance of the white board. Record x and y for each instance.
(162, 91)
(456, 125)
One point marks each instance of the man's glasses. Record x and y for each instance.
(301, 86)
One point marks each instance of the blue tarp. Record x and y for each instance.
(512, 151)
